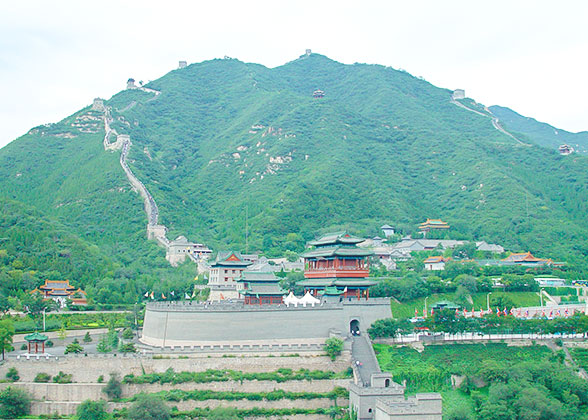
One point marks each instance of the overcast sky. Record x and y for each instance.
(56, 56)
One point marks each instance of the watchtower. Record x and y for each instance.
(307, 52)
(182, 64)
(459, 94)
(98, 105)
(317, 94)
(131, 83)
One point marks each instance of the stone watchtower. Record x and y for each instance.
(182, 64)
(383, 399)
(98, 105)
(459, 94)
(131, 83)
(307, 52)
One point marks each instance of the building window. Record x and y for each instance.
(226, 279)
(369, 410)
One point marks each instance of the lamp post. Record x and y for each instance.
(541, 296)
(426, 311)
(488, 301)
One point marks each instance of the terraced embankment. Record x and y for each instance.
(311, 396)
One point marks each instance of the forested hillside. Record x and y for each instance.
(540, 133)
(226, 138)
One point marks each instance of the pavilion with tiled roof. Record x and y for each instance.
(337, 262)
(526, 258)
(36, 342)
(260, 288)
(433, 224)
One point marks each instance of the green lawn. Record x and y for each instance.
(431, 369)
(580, 356)
(406, 309)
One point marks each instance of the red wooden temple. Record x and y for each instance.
(336, 261)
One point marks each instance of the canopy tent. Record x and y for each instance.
(308, 299)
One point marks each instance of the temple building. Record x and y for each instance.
(224, 272)
(526, 259)
(260, 288)
(433, 224)
(61, 292)
(337, 262)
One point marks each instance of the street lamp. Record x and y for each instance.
(488, 301)
(541, 296)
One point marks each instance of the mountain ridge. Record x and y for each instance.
(380, 147)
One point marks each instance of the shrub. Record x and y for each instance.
(14, 403)
(87, 338)
(92, 410)
(73, 348)
(24, 347)
(49, 343)
(148, 407)
(62, 378)
(113, 388)
(42, 377)
(128, 348)
(128, 334)
(12, 374)
(333, 347)
(100, 379)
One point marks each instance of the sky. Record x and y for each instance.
(531, 56)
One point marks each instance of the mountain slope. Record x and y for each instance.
(541, 133)
(226, 140)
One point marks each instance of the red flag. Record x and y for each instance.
(162, 295)
(222, 297)
(416, 313)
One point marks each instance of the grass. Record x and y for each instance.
(580, 356)
(431, 369)
(406, 309)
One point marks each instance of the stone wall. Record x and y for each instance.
(88, 369)
(182, 325)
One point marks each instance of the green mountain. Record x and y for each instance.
(229, 147)
(540, 133)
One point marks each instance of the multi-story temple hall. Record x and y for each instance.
(336, 264)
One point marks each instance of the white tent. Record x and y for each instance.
(308, 298)
(291, 300)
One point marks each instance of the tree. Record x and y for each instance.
(113, 388)
(92, 410)
(103, 346)
(14, 403)
(87, 338)
(223, 413)
(148, 407)
(73, 348)
(333, 347)
(6, 335)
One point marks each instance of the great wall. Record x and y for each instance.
(155, 231)
(460, 94)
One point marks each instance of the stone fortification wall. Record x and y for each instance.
(168, 325)
(88, 369)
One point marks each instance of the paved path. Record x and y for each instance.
(362, 352)
(18, 338)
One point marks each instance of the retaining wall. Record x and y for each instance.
(88, 369)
